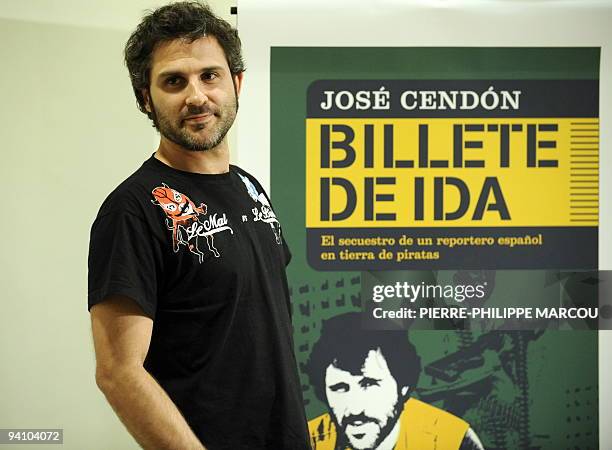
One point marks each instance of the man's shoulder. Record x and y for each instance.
(129, 196)
(320, 424)
(243, 173)
(414, 406)
(449, 430)
(422, 421)
(322, 432)
(254, 187)
(431, 414)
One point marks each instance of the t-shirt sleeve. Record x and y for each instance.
(123, 261)
(286, 250)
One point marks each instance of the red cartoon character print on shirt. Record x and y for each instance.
(183, 218)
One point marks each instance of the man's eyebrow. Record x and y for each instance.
(168, 73)
(369, 379)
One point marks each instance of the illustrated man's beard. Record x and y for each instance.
(384, 431)
(180, 135)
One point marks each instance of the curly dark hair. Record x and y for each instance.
(345, 344)
(182, 20)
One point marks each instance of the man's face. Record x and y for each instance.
(192, 96)
(365, 406)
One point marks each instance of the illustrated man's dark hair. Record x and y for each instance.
(183, 20)
(345, 344)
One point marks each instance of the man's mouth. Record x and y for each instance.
(198, 117)
(358, 420)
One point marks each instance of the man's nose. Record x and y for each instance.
(196, 95)
(355, 407)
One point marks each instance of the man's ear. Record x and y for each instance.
(405, 390)
(238, 82)
(147, 100)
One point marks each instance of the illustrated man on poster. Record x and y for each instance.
(365, 377)
(187, 287)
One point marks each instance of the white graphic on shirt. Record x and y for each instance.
(264, 213)
(183, 218)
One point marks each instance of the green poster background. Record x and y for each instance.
(520, 389)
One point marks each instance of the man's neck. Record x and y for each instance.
(213, 161)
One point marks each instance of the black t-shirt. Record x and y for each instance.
(204, 257)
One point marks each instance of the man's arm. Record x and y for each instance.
(122, 334)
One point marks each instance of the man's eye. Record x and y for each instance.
(339, 387)
(208, 76)
(173, 81)
(368, 382)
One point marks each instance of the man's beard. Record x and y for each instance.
(384, 431)
(180, 134)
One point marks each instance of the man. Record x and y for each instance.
(365, 377)
(187, 288)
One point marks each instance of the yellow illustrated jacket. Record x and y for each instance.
(422, 427)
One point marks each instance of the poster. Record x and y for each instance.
(514, 387)
(440, 166)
